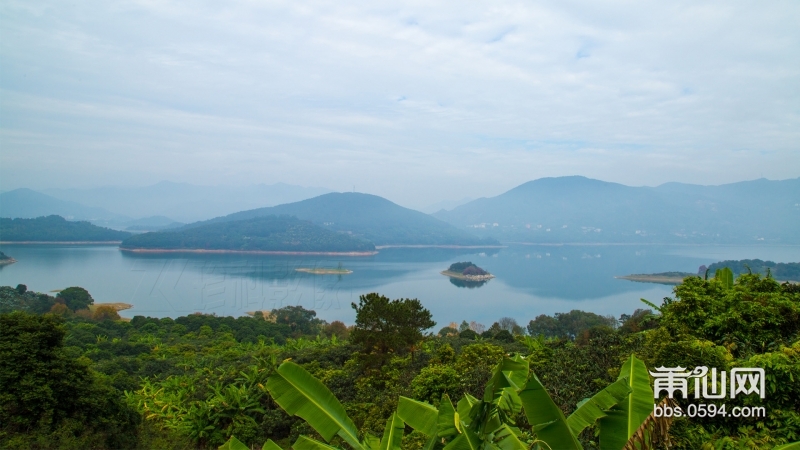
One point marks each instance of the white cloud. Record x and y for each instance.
(408, 98)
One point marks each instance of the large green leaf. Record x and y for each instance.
(624, 419)
(233, 444)
(270, 445)
(510, 372)
(392, 434)
(299, 393)
(509, 440)
(791, 446)
(468, 440)
(591, 410)
(418, 415)
(509, 404)
(546, 418)
(306, 443)
(448, 419)
(465, 406)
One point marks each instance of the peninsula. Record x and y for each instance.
(279, 235)
(467, 271)
(5, 259)
(779, 271)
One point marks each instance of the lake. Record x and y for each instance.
(530, 279)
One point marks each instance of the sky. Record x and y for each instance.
(414, 101)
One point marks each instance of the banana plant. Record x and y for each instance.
(725, 276)
(622, 410)
(299, 393)
(625, 418)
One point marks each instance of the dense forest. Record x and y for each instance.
(74, 378)
(55, 229)
(266, 233)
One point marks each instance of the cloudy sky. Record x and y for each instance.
(414, 101)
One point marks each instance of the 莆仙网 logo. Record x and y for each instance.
(713, 385)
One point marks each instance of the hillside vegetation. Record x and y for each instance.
(368, 217)
(55, 229)
(266, 233)
(71, 380)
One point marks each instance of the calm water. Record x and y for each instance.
(530, 280)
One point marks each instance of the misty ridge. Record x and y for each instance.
(548, 210)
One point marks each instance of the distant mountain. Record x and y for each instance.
(186, 202)
(55, 229)
(578, 209)
(446, 205)
(28, 204)
(153, 223)
(265, 233)
(367, 217)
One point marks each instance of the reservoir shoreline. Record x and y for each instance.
(251, 252)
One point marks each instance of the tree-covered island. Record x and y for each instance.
(467, 271)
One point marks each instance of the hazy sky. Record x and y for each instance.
(414, 101)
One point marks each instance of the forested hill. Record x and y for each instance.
(369, 217)
(267, 233)
(55, 229)
(578, 209)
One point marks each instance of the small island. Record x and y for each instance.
(325, 270)
(467, 271)
(5, 259)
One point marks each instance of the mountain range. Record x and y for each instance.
(367, 217)
(579, 209)
(548, 210)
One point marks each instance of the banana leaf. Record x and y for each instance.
(465, 406)
(624, 419)
(468, 440)
(509, 440)
(591, 410)
(510, 372)
(547, 420)
(791, 446)
(418, 415)
(300, 394)
(306, 443)
(448, 419)
(269, 445)
(509, 405)
(233, 444)
(392, 434)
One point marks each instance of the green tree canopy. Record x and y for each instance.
(43, 390)
(386, 326)
(76, 298)
(300, 320)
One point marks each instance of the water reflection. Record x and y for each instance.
(466, 283)
(530, 280)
